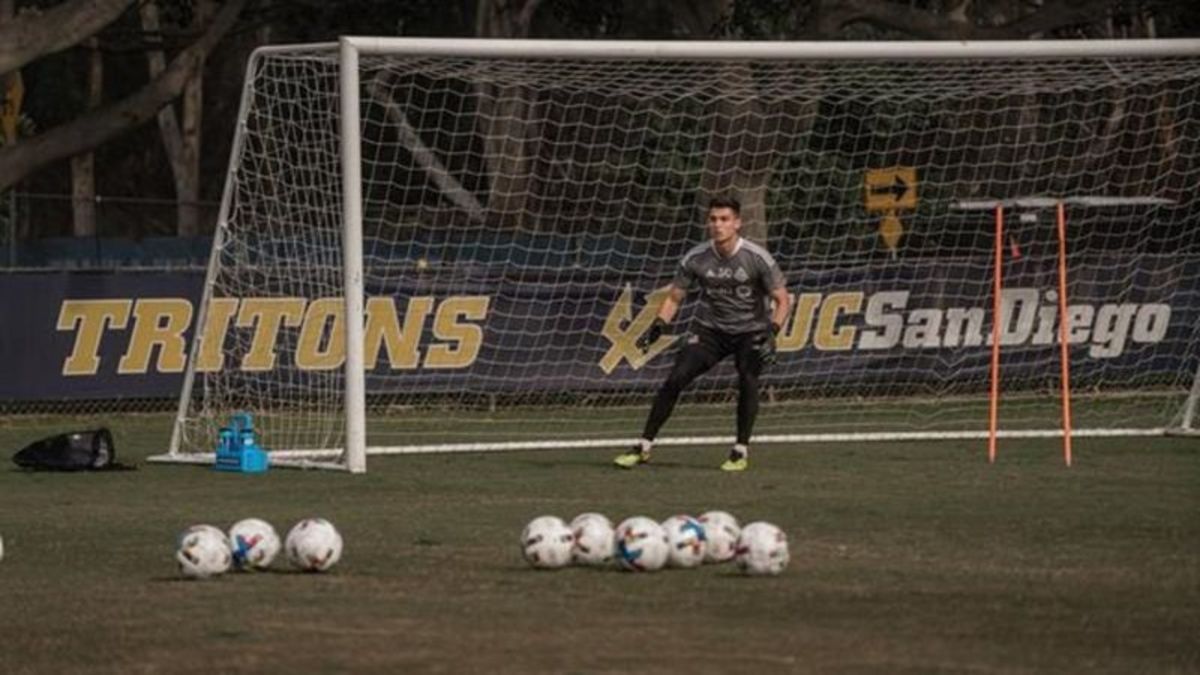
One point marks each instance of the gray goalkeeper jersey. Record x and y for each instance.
(735, 292)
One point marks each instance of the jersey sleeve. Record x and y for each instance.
(772, 275)
(685, 275)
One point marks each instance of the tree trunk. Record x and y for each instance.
(95, 128)
(508, 113)
(10, 86)
(9, 119)
(181, 143)
(83, 165)
(743, 134)
(187, 168)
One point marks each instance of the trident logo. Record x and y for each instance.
(622, 329)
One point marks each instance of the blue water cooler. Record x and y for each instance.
(238, 448)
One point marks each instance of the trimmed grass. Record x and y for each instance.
(906, 557)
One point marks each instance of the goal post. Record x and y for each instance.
(439, 245)
(355, 449)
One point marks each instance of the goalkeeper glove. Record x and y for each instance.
(766, 346)
(651, 335)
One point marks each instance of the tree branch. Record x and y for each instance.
(927, 25)
(1054, 15)
(425, 156)
(32, 36)
(94, 129)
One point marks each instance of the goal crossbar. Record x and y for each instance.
(770, 51)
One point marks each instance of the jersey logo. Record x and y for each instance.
(741, 275)
(744, 292)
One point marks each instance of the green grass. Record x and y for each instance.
(906, 557)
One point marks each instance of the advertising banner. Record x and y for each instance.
(891, 328)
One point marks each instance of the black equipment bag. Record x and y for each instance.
(73, 451)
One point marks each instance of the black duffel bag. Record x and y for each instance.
(91, 450)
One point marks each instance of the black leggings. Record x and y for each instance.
(704, 349)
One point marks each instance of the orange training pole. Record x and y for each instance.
(1064, 350)
(993, 408)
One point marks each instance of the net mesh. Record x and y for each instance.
(520, 216)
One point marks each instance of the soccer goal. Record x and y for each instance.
(452, 245)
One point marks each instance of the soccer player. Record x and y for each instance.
(743, 304)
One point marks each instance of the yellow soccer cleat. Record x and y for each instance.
(736, 462)
(630, 459)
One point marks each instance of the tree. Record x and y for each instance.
(182, 141)
(734, 162)
(511, 127)
(33, 35)
(960, 19)
(96, 127)
(83, 165)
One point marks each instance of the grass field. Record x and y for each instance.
(906, 558)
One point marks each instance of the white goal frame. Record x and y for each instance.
(352, 456)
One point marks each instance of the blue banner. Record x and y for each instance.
(900, 327)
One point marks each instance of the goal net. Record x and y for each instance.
(501, 216)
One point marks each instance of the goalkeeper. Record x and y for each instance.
(743, 304)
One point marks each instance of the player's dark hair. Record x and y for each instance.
(730, 203)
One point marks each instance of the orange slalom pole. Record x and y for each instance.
(1064, 348)
(994, 403)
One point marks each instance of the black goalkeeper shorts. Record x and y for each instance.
(705, 347)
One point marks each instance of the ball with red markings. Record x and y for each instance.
(254, 544)
(593, 540)
(547, 542)
(641, 545)
(313, 545)
(202, 551)
(721, 531)
(687, 542)
(762, 549)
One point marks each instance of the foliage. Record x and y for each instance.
(135, 166)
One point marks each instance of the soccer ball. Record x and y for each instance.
(641, 545)
(254, 544)
(202, 552)
(686, 541)
(313, 545)
(721, 530)
(593, 540)
(547, 542)
(762, 549)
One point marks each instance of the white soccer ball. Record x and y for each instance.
(762, 549)
(254, 544)
(593, 540)
(721, 530)
(546, 543)
(202, 552)
(641, 545)
(313, 545)
(686, 541)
